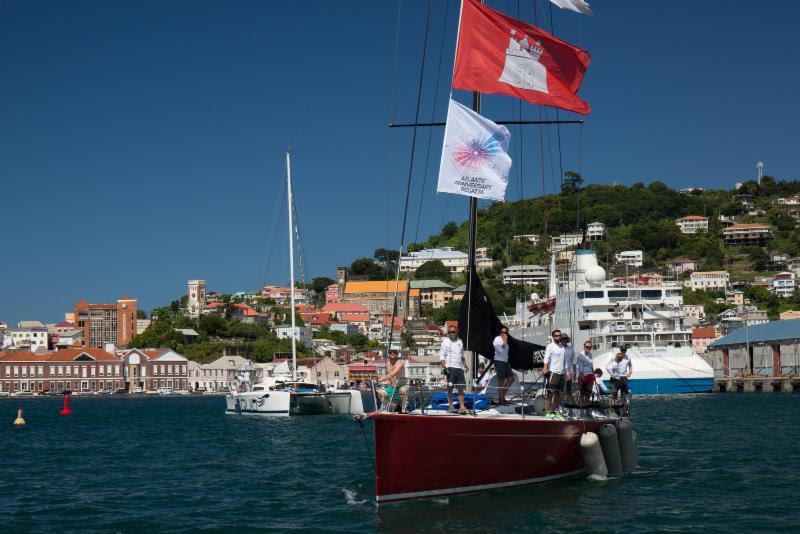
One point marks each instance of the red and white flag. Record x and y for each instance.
(501, 55)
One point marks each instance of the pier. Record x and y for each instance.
(763, 358)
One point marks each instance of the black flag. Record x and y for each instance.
(477, 316)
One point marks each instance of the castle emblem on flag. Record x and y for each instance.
(522, 68)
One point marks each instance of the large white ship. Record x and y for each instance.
(648, 318)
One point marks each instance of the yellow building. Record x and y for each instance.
(790, 314)
(378, 296)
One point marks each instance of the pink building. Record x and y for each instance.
(702, 338)
(332, 294)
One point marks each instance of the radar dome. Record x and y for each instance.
(595, 275)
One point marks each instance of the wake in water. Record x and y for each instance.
(351, 497)
(598, 478)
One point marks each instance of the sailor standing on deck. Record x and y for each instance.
(451, 358)
(505, 376)
(554, 369)
(620, 369)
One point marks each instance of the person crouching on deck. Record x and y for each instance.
(394, 377)
(451, 358)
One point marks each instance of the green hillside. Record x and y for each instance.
(636, 217)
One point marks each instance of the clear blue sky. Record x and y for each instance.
(141, 143)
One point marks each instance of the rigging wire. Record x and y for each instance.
(410, 172)
(433, 117)
(277, 212)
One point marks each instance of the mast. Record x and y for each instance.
(473, 239)
(291, 259)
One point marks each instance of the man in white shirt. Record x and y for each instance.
(555, 365)
(505, 376)
(620, 369)
(451, 358)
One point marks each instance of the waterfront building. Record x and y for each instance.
(747, 234)
(525, 275)
(682, 265)
(77, 370)
(632, 258)
(595, 231)
(197, 298)
(222, 372)
(328, 372)
(708, 280)
(151, 369)
(692, 224)
(106, 323)
(767, 349)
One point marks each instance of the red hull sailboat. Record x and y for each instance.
(421, 456)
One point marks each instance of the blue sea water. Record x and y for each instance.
(707, 462)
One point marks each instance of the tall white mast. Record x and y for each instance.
(291, 259)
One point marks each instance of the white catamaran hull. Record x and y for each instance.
(263, 403)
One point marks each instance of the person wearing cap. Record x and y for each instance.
(451, 358)
(395, 375)
(554, 369)
(505, 376)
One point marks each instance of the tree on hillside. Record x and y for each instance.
(368, 267)
(432, 270)
(449, 230)
(321, 283)
(572, 183)
(385, 256)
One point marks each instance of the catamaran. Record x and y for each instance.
(282, 396)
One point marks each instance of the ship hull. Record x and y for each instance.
(464, 454)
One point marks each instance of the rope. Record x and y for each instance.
(433, 117)
(277, 211)
(410, 172)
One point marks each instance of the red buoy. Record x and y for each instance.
(66, 410)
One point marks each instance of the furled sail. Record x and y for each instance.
(476, 319)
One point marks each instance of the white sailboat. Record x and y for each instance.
(282, 396)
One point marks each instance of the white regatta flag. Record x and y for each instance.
(578, 6)
(475, 160)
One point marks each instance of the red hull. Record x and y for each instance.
(429, 456)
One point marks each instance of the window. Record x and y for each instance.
(24, 371)
(69, 371)
(116, 370)
(40, 370)
(102, 370)
(169, 369)
(61, 370)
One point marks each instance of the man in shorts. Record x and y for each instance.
(395, 380)
(620, 369)
(505, 376)
(554, 369)
(451, 358)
